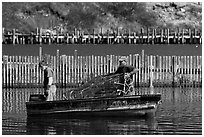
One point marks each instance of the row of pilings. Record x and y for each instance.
(71, 71)
(144, 36)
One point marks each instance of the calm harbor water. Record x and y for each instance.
(179, 113)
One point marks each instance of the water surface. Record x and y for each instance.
(179, 113)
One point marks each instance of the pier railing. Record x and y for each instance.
(71, 71)
(144, 36)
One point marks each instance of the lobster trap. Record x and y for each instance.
(107, 85)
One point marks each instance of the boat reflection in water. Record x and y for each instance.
(63, 124)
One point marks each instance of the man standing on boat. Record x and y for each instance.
(127, 72)
(49, 81)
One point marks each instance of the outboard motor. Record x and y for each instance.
(37, 97)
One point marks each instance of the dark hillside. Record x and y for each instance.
(27, 17)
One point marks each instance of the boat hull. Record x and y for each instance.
(118, 106)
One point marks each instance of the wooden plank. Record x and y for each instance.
(140, 72)
(66, 72)
(28, 71)
(85, 68)
(99, 65)
(190, 71)
(72, 69)
(3, 72)
(200, 70)
(34, 71)
(16, 71)
(11, 72)
(179, 70)
(92, 67)
(108, 63)
(69, 69)
(31, 71)
(193, 71)
(182, 70)
(89, 67)
(146, 77)
(185, 76)
(164, 62)
(102, 65)
(77, 69)
(63, 71)
(57, 67)
(111, 63)
(154, 70)
(134, 65)
(39, 72)
(105, 65)
(81, 66)
(151, 72)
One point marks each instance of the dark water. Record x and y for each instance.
(179, 113)
(104, 49)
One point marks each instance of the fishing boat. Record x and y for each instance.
(103, 106)
(109, 105)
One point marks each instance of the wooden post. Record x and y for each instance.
(14, 36)
(160, 70)
(118, 34)
(200, 70)
(173, 71)
(89, 68)
(7, 71)
(152, 36)
(75, 66)
(148, 36)
(190, 36)
(49, 38)
(200, 37)
(151, 71)
(108, 37)
(183, 39)
(161, 37)
(138, 66)
(142, 38)
(57, 67)
(93, 36)
(167, 36)
(190, 70)
(4, 72)
(174, 39)
(40, 53)
(40, 36)
(155, 36)
(178, 36)
(195, 35)
(134, 38)
(129, 35)
(185, 70)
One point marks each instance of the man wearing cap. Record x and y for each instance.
(49, 81)
(126, 70)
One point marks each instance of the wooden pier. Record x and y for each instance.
(144, 36)
(71, 71)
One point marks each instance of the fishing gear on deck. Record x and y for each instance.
(106, 85)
